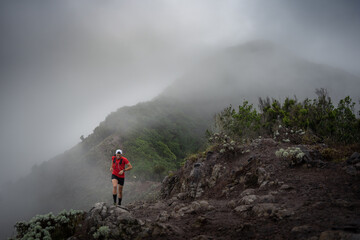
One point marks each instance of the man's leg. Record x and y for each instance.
(121, 184)
(120, 193)
(114, 183)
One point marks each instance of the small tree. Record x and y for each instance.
(347, 126)
(245, 122)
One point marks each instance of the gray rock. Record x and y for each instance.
(285, 187)
(204, 205)
(231, 204)
(266, 198)
(263, 185)
(96, 214)
(123, 225)
(249, 199)
(195, 189)
(200, 222)
(195, 173)
(357, 166)
(103, 212)
(168, 185)
(183, 210)
(264, 209)
(161, 229)
(313, 238)
(202, 237)
(195, 182)
(342, 203)
(243, 210)
(181, 196)
(283, 213)
(354, 158)
(303, 228)
(214, 175)
(274, 192)
(262, 175)
(248, 191)
(351, 170)
(163, 217)
(242, 180)
(178, 206)
(195, 205)
(173, 199)
(99, 205)
(158, 205)
(119, 211)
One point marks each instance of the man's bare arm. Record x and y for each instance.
(126, 169)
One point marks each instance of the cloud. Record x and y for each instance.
(321, 31)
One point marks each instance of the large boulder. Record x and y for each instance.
(354, 158)
(115, 222)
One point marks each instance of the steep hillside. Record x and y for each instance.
(250, 192)
(157, 135)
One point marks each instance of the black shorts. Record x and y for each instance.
(120, 180)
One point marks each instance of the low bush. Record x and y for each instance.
(49, 226)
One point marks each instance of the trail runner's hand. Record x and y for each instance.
(121, 172)
(111, 169)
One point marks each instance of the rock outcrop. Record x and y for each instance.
(271, 196)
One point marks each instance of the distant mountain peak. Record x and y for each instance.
(258, 68)
(258, 45)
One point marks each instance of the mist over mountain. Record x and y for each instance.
(258, 69)
(161, 132)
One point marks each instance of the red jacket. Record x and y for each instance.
(117, 167)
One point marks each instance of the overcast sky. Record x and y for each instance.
(65, 65)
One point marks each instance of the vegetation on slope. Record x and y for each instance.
(155, 137)
(326, 122)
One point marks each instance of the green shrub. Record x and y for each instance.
(236, 124)
(102, 233)
(49, 226)
(292, 155)
(318, 116)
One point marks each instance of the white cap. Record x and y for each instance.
(119, 151)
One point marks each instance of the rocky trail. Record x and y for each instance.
(250, 192)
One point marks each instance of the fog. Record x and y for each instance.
(65, 65)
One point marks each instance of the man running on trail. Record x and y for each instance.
(118, 173)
